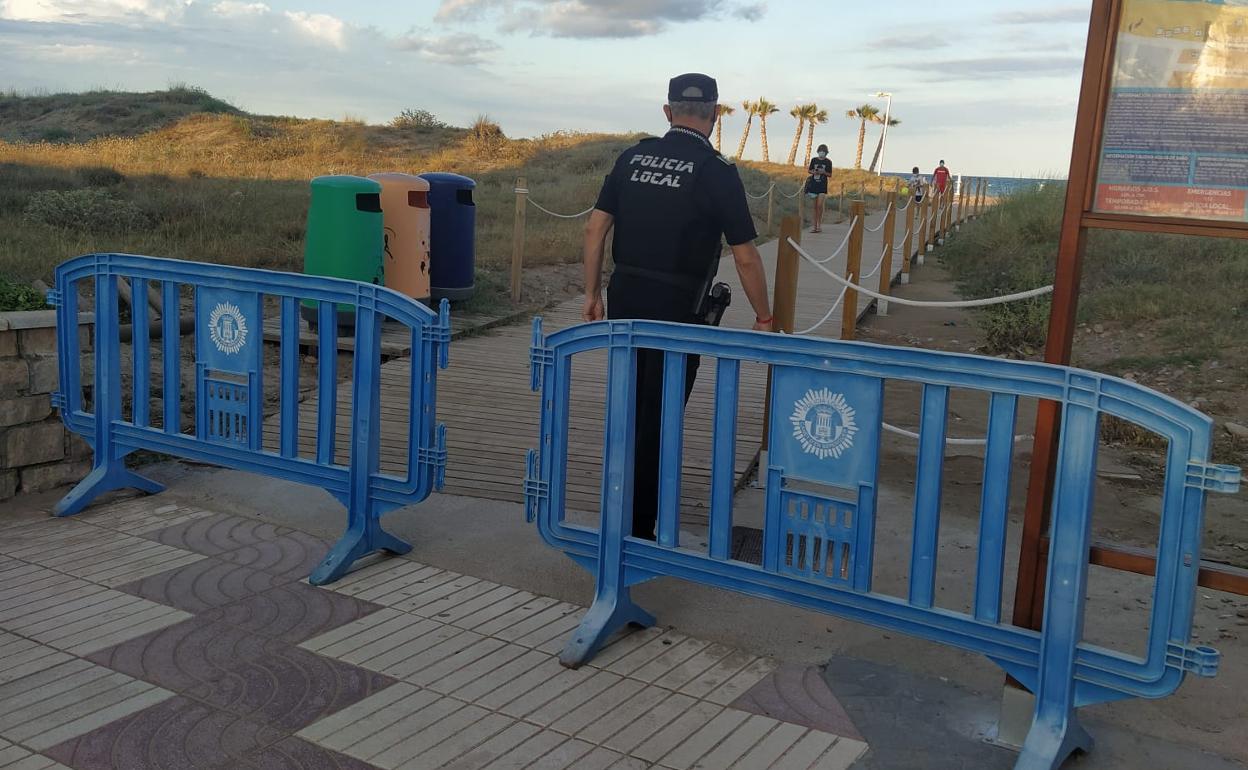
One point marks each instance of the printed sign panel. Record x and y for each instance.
(1176, 123)
(227, 329)
(825, 426)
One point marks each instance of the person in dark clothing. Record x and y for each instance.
(672, 201)
(817, 184)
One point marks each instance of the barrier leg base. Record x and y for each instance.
(351, 546)
(1049, 744)
(105, 478)
(905, 278)
(606, 616)
(919, 261)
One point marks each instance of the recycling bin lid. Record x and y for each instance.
(347, 182)
(446, 178)
(410, 181)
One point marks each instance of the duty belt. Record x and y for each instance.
(682, 280)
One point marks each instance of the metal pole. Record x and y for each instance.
(888, 108)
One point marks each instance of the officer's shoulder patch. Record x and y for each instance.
(725, 160)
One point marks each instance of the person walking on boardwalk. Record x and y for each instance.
(672, 201)
(940, 177)
(817, 184)
(917, 184)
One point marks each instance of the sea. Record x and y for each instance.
(999, 185)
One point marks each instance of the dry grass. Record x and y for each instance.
(233, 188)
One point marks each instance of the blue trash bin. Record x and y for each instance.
(452, 237)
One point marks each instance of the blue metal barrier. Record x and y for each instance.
(822, 491)
(228, 339)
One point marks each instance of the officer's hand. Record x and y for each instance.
(764, 326)
(593, 310)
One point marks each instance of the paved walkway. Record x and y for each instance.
(152, 635)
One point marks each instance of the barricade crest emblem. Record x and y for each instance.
(823, 423)
(227, 327)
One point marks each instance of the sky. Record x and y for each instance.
(988, 85)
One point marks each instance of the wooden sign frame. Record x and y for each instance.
(1079, 217)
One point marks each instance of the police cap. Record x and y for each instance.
(692, 87)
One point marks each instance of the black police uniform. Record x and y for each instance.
(673, 198)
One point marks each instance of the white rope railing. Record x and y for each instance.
(909, 200)
(919, 303)
(834, 254)
(796, 192)
(877, 267)
(827, 315)
(764, 194)
(556, 214)
(949, 441)
(901, 242)
(883, 221)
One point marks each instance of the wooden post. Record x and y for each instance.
(840, 207)
(783, 310)
(880, 194)
(853, 269)
(771, 205)
(961, 206)
(933, 226)
(886, 267)
(907, 248)
(949, 218)
(801, 212)
(922, 225)
(517, 240)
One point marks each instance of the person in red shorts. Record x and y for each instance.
(940, 177)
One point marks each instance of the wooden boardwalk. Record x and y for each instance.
(492, 417)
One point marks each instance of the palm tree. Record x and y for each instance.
(802, 113)
(765, 109)
(879, 145)
(862, 113)
(722, 110)
(750, 111)
(818, 116)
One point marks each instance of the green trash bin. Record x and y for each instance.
(344, 237)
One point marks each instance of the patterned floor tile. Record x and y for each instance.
(193, 653)
(289, 688)
(68, 700)
(17, 758)
(801, 696)
(140, 515)
(216, 533)
(294, 754)
(93, 553)
(201, 586)
(293, 555)
(179, 734)
(294, 612)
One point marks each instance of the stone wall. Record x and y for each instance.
(37, 453)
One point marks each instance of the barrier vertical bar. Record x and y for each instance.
(907, 248)
(327, 382)
(886, 267)
(723, 456)
(613, 606)
(171, 359)
(140, 354)
(517, 241)
(289, 421)
(784, 304)
(961, 217)
(671, 447)
(1056, 731)
(994, 506)
(853, 269)
(927, 489)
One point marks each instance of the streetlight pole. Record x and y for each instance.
(888, 108)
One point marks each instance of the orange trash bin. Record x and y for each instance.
(405, 217)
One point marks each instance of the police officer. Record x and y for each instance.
(672, 201)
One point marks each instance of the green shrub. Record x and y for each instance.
(417, 119)
(14, 296)
(85, 210)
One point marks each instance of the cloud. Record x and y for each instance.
(926, 41)
(91, 10)
(319, 26)
(235, 9)
(998, 67)
(1062, 14)
(464, 48)
(595, 18)
(80, 53)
